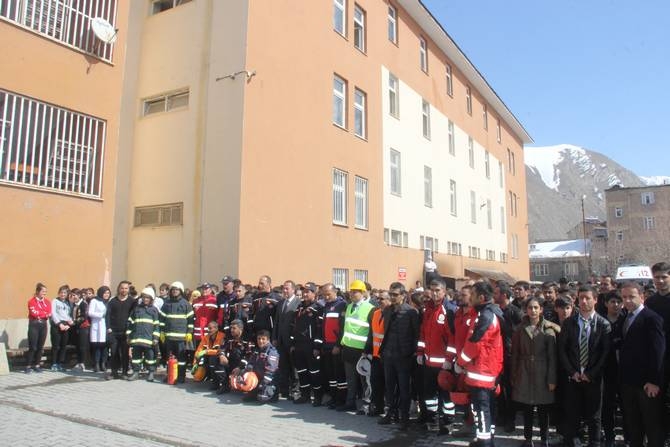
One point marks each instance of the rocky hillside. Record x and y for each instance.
(558, 177)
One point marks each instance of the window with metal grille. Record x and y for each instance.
(67, 21)
(361, 275)
(49, 147)
(167, 215)
(339, 197)
(163, 5)
(361, 202)
(340, 279)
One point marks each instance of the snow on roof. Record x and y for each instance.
(559, 249)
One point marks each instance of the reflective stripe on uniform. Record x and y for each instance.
(437, 359)
(355, 337)
(357, 322)
(421, 344)
(451, 349)
(465, 357)
(332, 315)
(481, 377)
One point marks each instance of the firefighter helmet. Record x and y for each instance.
(177, 285)
(244, 382)
(358, 285)
(199, 374)
(364, 367)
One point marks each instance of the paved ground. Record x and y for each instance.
(82, 409)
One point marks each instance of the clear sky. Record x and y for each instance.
(593, 73)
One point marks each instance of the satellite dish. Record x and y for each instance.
(103, 30)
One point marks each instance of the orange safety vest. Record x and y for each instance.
(377, 332)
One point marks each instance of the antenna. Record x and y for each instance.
(103, 30)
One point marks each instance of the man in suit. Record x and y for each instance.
(281, 336)
(641, 369)
(582, 348)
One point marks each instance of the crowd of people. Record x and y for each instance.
(571, 356)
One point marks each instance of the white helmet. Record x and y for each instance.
(148, 291)
(364, 367)
(177, 285)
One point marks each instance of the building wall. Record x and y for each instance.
(49, 236)
(578, 269)
(629, 240)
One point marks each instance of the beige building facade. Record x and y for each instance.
(322, 141)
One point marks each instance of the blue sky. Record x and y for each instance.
(593, 73)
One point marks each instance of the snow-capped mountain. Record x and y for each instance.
(559, 176)
(656, 180)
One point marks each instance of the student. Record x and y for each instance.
(97, 309)
(61, 322)
(39, 312)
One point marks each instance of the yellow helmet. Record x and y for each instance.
(358, 285)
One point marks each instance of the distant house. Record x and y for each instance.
(550, 261)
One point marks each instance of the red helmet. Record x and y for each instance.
(244, 382)
(446, 380)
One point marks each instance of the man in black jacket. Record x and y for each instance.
(118, 311)
(641, 369)
(582, 349)
(281, 337)
(401, 332)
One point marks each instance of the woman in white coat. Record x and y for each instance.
(97, 309)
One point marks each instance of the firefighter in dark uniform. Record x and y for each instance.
(264, 361)
(264, 306)
(176, 321)
(143, 332)
(234, 354)
(331, 359)
(306, 346)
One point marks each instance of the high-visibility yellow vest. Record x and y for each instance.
(356, 326)
(377, 332)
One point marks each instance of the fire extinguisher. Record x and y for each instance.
(172, 369)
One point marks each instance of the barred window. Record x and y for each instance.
(171, 214)
(50, 147)
(339, 197)
(67, 21)
(340, 278)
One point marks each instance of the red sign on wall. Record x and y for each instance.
(402, 274)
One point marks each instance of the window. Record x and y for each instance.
(647, 198)
(503, 257)
(166, 102)
(360, 115)
(396, 185)
(513, 165)
(541, 269)
(428, 243)
(474, 252)
(619, 235)
(487, 164)
(66, 21)
(396, 238)
(511, 204)
(571, 269)
(454, 248)
(516, 203)
(452, 140)
(489, 214)
(450, 81)
(340, 279)
(163, 5)
(405, 239)
(515, 246)
(359, 28)
(502, 219)
(471, 152)
(485, 117)
(361, 275)
(425, 111)
(159, 215)
(339, 197)
(386, 236)
(500, 174)
(423, 54)
(452, 198)
(468, 100)
(509, 160)
(473, 207)
(648, 223)
(392, 21)
(394, 96)
(428, 186)
(618, 212)
(498, 131)
(339, 17)
(490, 255)
(361, 202)
(49, 147)
(339, 101)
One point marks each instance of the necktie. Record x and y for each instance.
(627, 322)
(584, 345)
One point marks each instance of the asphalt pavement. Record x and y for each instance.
(83, 409)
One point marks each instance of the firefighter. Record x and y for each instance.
(432, 349)
(264, 361)
(482, 360)
(331, 359)
(205, 310)
(176, 321)
(143, 331)
(306, 344)
(234, 354)
(207, 354)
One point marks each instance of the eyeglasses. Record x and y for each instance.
(395, 294)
